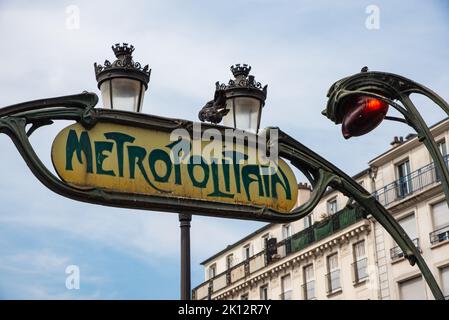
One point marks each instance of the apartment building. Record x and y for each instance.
(339, 253)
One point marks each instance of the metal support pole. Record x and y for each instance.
(184, 224)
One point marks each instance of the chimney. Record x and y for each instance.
(397, 141)
(304, 192)
(304, 186)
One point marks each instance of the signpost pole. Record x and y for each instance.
(184, 224)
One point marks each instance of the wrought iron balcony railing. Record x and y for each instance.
(308, 290)
(284, 248)
(397, 253)
(410, 184)
(439, 235)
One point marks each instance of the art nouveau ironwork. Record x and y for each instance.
(15, 119)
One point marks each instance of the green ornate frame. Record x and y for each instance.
(80, 108)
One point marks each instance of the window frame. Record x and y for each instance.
(358, 260)
(404, 183)
(442, 142)
(231, 264)
(287, 231)
(264, 239)
(444, 288)
(329, 206)
(331, 290)
(262, 289)
(308, 221)
(214, 268)
(283, 289)
(412, 278)
(306, 281)
(247, 248)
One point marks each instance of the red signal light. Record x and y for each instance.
(361, 115)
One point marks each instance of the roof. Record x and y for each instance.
(409, 141)
(260, 230)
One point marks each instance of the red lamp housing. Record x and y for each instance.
(361, 115)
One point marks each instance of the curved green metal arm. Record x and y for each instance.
(390, 88)
(322, 174)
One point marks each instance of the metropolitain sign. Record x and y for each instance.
(145, 161)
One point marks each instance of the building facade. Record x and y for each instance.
(339, 253)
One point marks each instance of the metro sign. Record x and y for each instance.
(150, 162)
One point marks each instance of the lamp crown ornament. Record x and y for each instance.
(240, 70)
(122, 50)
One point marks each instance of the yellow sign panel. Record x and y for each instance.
(146, 161)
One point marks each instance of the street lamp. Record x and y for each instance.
(360, 103)
(238, 103)
(122, 83)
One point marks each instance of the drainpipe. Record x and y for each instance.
(373, 175)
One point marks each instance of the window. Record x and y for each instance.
(308, 221)
(360, 262)
(229, 261)
(265, 238)
(412, 289)
(244, 296)
(445, 281)
(404, 181)
(442, 147)
(246, 252)
(409, 225)
(332, 206)
(440, 218)
(333, 276)
(443, 150)
(286, 286)
(309, 282)
(212, 271)
(286, 231)
(440, 214)
(264, 292)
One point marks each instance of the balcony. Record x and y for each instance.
(287, 295)
(359, 272)
(409, 185)
(439, 235)
(333, 282)
(308, 290)
(396, 253)
(322, 229)
(284, 248)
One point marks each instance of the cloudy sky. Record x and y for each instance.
(299, 48)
